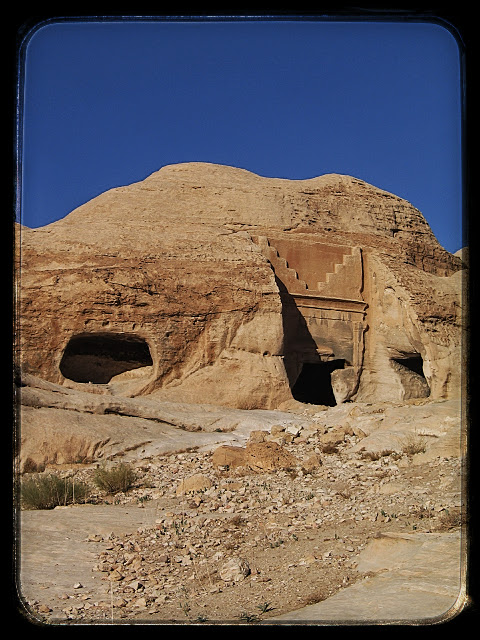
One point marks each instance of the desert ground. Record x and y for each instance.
(338, 498)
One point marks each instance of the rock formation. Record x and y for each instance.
(206, 283)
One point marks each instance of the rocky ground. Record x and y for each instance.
(237, 541)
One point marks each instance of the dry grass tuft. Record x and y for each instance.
(118, 478)
(413, 444)
(47, 491)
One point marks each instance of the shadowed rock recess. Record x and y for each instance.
(281, 363)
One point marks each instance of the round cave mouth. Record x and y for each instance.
(98, 357)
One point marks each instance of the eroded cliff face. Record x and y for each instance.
(415, 343)
(170, 287)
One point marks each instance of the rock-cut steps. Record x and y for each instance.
(335, 275)
(344, 276)
(283, 271)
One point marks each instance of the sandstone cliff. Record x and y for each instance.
(206, 283)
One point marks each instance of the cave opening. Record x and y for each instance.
(412, 376)
(412, 363)
(314, 384)
(98, 357)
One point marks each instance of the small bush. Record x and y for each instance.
(118, 478)
(451, 519)
(413, 444)
(47, 491)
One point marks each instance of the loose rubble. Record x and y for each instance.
(241, 538)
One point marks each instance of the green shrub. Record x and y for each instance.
(47, 491)
(118, 478)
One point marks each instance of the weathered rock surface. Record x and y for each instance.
(60, 426)
(209, 284)
(412, 577)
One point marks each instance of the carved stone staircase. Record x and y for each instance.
(335, 279)
(283, 271)
(344, 276)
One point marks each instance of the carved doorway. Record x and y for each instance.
(314, 385)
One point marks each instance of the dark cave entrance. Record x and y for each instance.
(412, 376)
(314, 385)
(412, 363)
(98, 357)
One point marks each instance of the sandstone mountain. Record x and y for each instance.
(210, 284)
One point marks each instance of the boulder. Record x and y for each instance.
(333, 437)
(268, 456)
(255, 456)
(228, 456)
(234, 570)
(311, 463)
(194, 484)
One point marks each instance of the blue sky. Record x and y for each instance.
(107, 103)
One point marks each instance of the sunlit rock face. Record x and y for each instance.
(206, 283)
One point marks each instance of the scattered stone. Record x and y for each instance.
(311, 463)
(277, 429)
(332, 438)
(136, 585)
(43, 608)
(293, 430)
(120, 602)
(141, 603)
(234, 570)
(300, 525)
(257, 436)
(115, 576)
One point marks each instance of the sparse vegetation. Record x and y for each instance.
(247, 617)
(247, 404)
(413, 444)
(118, 478)
(237, 520)
(47, 491)
(451, 519)
(265, 607)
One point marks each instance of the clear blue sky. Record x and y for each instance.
(107, 104)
